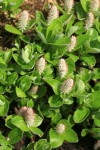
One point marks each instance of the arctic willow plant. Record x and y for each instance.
(49, 75)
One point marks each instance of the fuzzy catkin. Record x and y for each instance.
(53, 14)
(72, 44)
(69, 4)
(89, 20)
(28, 114)
(67, 86)
(94, 5)
(23, 20)
(60, 128)
(34, 89)
(62, 68)
(40, 65)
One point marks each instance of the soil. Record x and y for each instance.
(86, 143)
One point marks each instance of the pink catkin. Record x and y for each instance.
(72, 44)
(28, 114)
(89, 20)
(23, 20)
(94, 5)
(62, 68)
(53, 14)
(60, 128)
(69, 4)
(40, 65)
(67, 86)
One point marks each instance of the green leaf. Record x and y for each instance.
(24, 38)
(25, 83)
(96, 102)
(81, 114)
(30, 103)
(53, 83)
(37, 121)
(72, 30)
(82, 39)
(96, 73)
(96, 118)
(56, 117)
(41, 35)
(85, 4)
(36, 131)
(80, 12)
(42, 145)
(97, 86)
(20, 93)
(63, 18)
(80, 25)
(70, 136)
(71, 65)
(8, 122)
(94, 34)
(11, 79)
(12, 29)
(5, 148)
(55, 139)
(55, 101)
(19, 122)
(20, 62)
(2, 63)
(84, 132)
(96, 133)
(7, 55)
(15, 135)
(15, 4)
(73, 57)
(85, 75)
(90, 60)
(92, 100)
(48, 112)
(79, 87)
(61, 42)
(3, 108)
(42, 91)
(3, 141)
(53, 29)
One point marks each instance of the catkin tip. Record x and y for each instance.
(53, 14)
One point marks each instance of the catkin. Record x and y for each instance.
(67, 86)
(62, 68)
(40, 65)
(28, 114)
(53, 14)
(72, 44)
(34, 89)
(60, 128)
(94, 5)
(23, 20)
(89, 20)
(69, 4)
